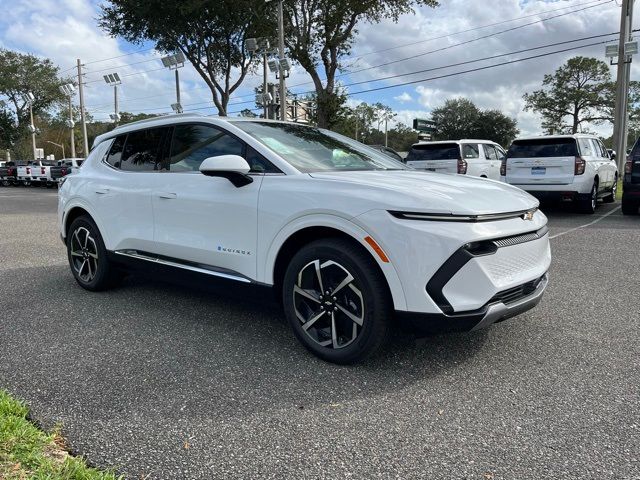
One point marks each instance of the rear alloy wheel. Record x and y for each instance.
(88, 256)
(614, 191)
(589, 202)
(336, 301)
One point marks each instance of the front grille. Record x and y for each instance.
(516, 293)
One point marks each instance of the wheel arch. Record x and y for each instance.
(76, 210)
(294, 237)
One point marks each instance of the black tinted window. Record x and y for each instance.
(543, 147)
(143, 150)
(115, 152)
(440, 151)
(193, 143)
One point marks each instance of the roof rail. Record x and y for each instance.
(160, 117)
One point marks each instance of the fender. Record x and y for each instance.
(76, 202)
(266, 268)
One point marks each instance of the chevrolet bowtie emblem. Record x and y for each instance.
(528, 215)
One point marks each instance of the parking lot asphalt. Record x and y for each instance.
(159, 380)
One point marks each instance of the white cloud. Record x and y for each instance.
(403, 98)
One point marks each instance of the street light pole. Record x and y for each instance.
(175, 61)
(33, 132)
(265, 72)
(59, 146)
(283, 87)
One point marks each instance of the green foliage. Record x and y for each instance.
(321, 32)
(210, 34)
(461, 118)
(26, 452)
(580, 91)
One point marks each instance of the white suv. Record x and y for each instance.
(573, 168)
(478, 158)
(346, 235)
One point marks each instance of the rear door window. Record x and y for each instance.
(143, 150)
(490, 152)
(543, 148)
(470, 150)
(439, 151)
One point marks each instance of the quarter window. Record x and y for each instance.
(192, 144)
(490, 152)
(115, 153)
(586, 147)
(258, 163)
(143, 150)
(470, 150)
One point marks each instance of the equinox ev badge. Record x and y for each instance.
(236, 251)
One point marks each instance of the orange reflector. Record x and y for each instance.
(377, 249)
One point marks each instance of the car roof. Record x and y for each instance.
(463, 140)
(177, 118)
(541, 137)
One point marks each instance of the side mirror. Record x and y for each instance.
(232, 167)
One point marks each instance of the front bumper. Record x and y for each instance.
(493, 312)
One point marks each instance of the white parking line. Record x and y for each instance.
(586, 224)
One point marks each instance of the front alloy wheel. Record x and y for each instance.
(337, 300)
(328, 304)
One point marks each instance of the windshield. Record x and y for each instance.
(312, 149)
(543, 147)
(434, 151)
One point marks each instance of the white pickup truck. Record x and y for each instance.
(23, 176)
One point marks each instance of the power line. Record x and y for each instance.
(477, 28)
(584, 7)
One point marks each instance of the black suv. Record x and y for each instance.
(631, 182)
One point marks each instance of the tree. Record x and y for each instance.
(210, 34)
(580, 90)
(321, 32)
(460, 118)
(21, 73)
(246, 112)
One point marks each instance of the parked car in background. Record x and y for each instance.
(477, 158)
(573, 168)
(388, 151)
(7, 173)
(347, 237)
(73, 164)
(46, 173)
(23, 173)
(631, 182)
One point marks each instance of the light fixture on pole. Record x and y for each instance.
(262, 47)
(281, 58)
(113, 80)
(69, 89)
(174, 62)
(28, 99)
(59, 145)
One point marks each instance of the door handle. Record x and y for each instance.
(168, 195)
(102, 191)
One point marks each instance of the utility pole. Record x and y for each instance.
(177, 86)
(71, 125)
(265, 104)
(283, 87)
(622, 85)
(116, 117)
(82, 115)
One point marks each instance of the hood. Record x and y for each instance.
(411, 190)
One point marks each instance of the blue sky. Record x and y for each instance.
(64, 30)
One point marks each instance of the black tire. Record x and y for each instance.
(587, 203)
(611, 198)
(630, 207)
(98, 273)
(337, 260)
